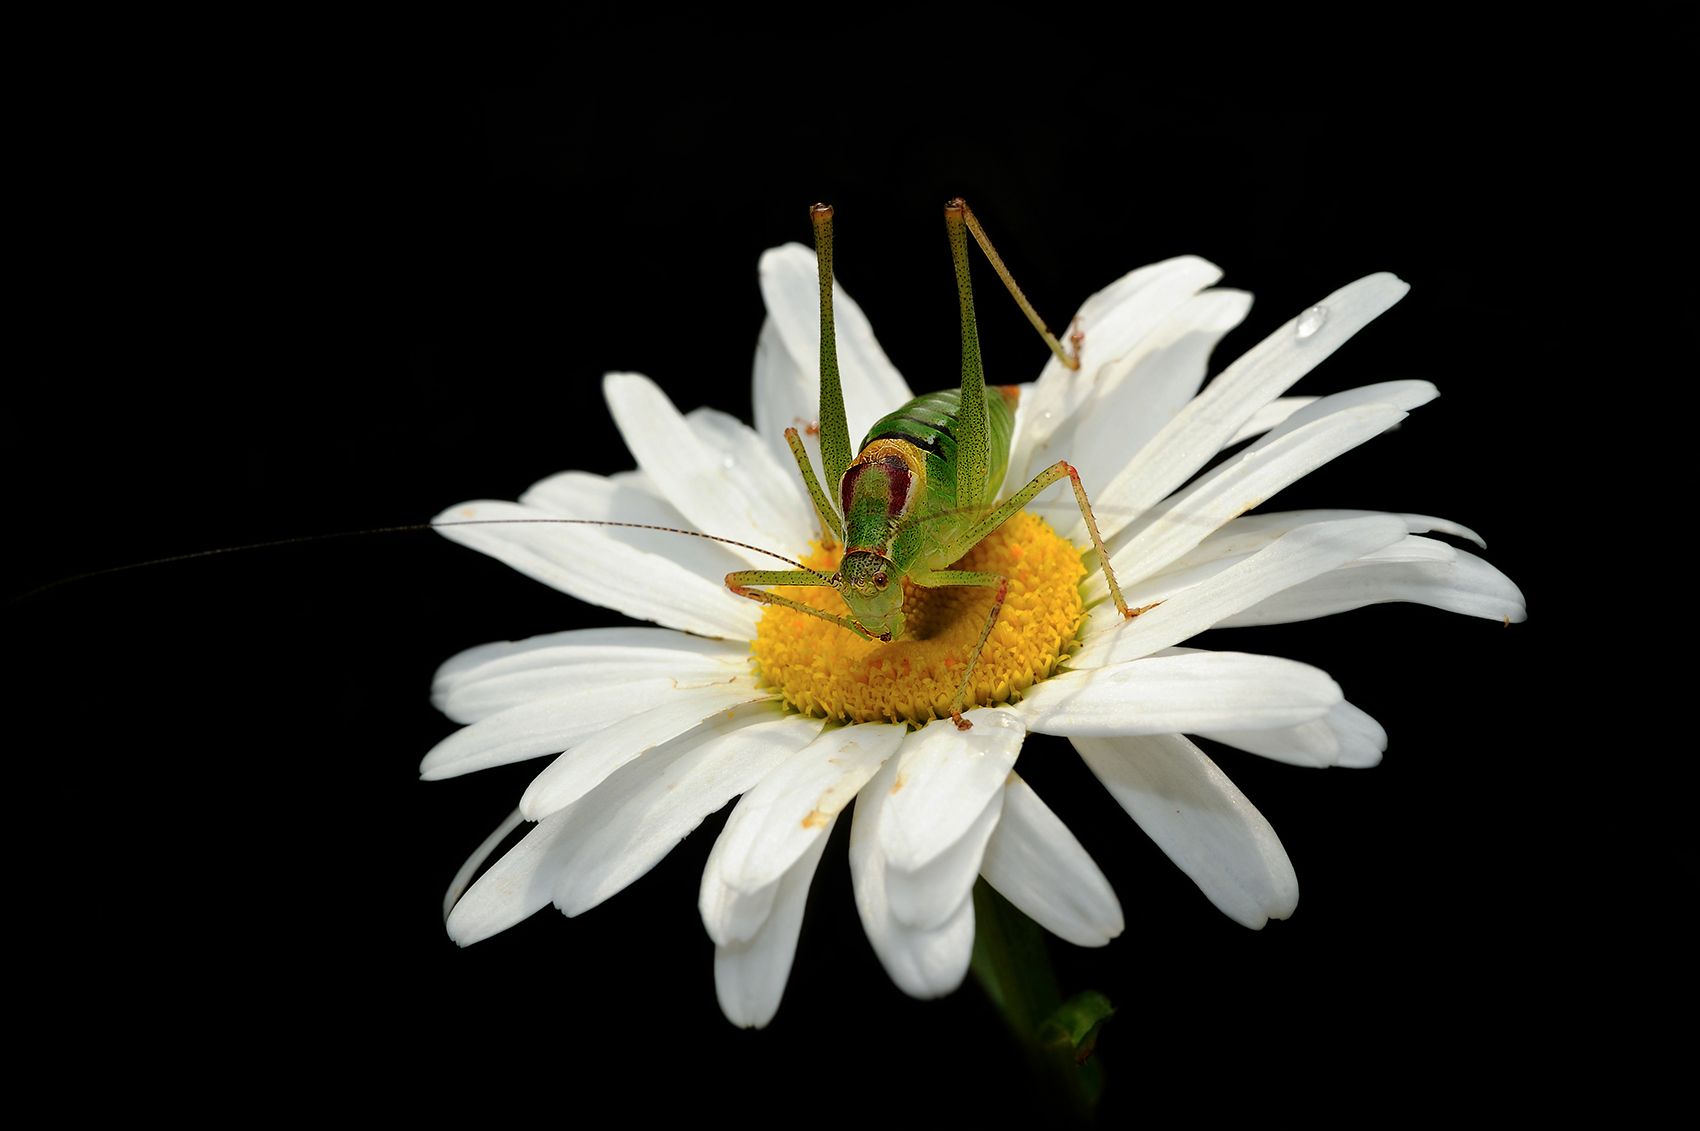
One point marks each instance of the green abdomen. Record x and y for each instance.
(929, 422)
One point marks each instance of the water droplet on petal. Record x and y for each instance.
(1046, 415)
(728, 463)
(1311, 321)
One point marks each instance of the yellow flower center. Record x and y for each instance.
(822, 669)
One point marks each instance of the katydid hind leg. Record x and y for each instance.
(973, 454)
(835, 449)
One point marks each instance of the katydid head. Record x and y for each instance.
(873, 588)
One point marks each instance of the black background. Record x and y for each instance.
(315, 284)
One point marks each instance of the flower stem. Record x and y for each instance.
(1011, 964)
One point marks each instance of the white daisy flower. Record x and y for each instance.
(653, 729)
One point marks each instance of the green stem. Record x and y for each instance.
(1012, 965)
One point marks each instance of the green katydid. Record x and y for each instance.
(923, 490)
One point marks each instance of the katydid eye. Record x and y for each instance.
(879, 580)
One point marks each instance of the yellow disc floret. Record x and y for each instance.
(822, 669)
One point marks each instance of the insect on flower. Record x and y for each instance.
(920, 494)
(930, 627)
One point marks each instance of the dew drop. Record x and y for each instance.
(728, 463)
(1311, 321)
(1046, 415)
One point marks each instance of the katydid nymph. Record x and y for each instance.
(923, 489)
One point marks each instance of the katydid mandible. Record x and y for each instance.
(923, 490)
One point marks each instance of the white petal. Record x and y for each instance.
(585, 764)
(1405, 395)
(775, 479)
(1114, 322)
(1239, 539)
(1191, 692)
(543, 726)
(872, 386)
(1252, 532)
(1245, 536)
(924, 961)
(1204, 824)
(1037, 864)
(784, 393)
(1345, 736)
(1184, 520)
(630, 497)
(458, 885)
(587, 851)
(494, 677)
(593, 567)
(1466, 584)
(515, 887)
(1293, 558)
(1133, 397)
(943, 805)
(739, 495)
(778, 820)
(1268, 417)
(648, 806)
(1201, 429)
(750, 976)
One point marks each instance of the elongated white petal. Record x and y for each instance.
(551, 649)
(494, 677)
(1295, 557)
(1268, 417)
(1191, 692)
(924, 961)
(1200, 820)
(1183, 521)
(734, 495)
(463, 877)
(936, 819)
(615, 835)
(648, 806)
(583, 766)
(872, 386)
(1135, 396)
(784, 393)
(583, 561)
(544, 726)
(927, 897)
(778, 820)
(1201, 429)
(1466, 584)
(1244, 536)
(1215, 555)
(1113, 324)
(764, 476)
(750, 976)
(1403, 395)
(1038, 865)
(630, 496)
(1252, 532)
(515, 887)
(1345, 736)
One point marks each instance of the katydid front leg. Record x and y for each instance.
(741, 581)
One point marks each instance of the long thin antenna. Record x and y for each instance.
(403, 529)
